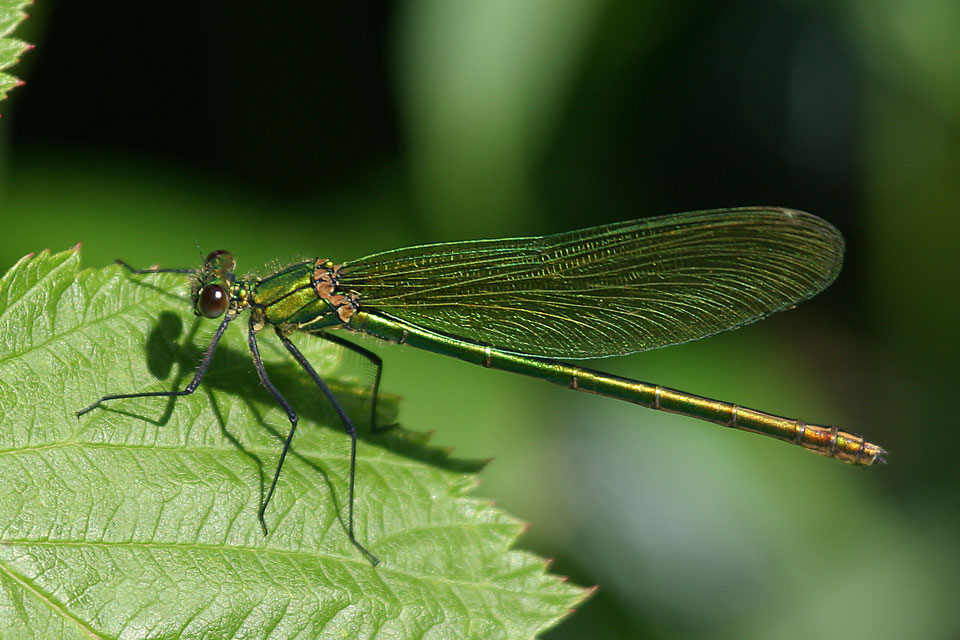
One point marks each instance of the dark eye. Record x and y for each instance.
(221, 259)
(212, 301)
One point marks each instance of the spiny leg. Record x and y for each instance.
(375, 360)
(202, 371)
(347, 426)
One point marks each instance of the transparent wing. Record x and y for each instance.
(608, 290)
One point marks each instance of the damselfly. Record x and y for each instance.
(515, 304)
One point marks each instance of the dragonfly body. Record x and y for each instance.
(519, 304)
(827, 441)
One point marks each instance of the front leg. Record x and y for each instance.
(190, 388)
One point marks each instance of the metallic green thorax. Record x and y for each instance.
(289, 296)
(302, 295)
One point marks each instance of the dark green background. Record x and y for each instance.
(292, 129)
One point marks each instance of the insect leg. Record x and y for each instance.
(347, 426)
(152, 269)
(201, 371)
(373, 359)
(291, 416)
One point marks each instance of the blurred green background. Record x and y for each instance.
(147, 129)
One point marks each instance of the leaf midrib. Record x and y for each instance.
(258, 551)
(310, 456)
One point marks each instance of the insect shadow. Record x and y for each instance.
(172, 356)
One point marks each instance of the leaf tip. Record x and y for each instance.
(76, 247)
(588, 593)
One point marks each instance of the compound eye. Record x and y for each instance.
(221, 258)
(212, 301)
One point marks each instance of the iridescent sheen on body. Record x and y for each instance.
(516, 304)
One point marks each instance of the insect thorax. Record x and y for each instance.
(305, 294)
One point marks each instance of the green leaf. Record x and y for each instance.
(11, 14)
(140, 519)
